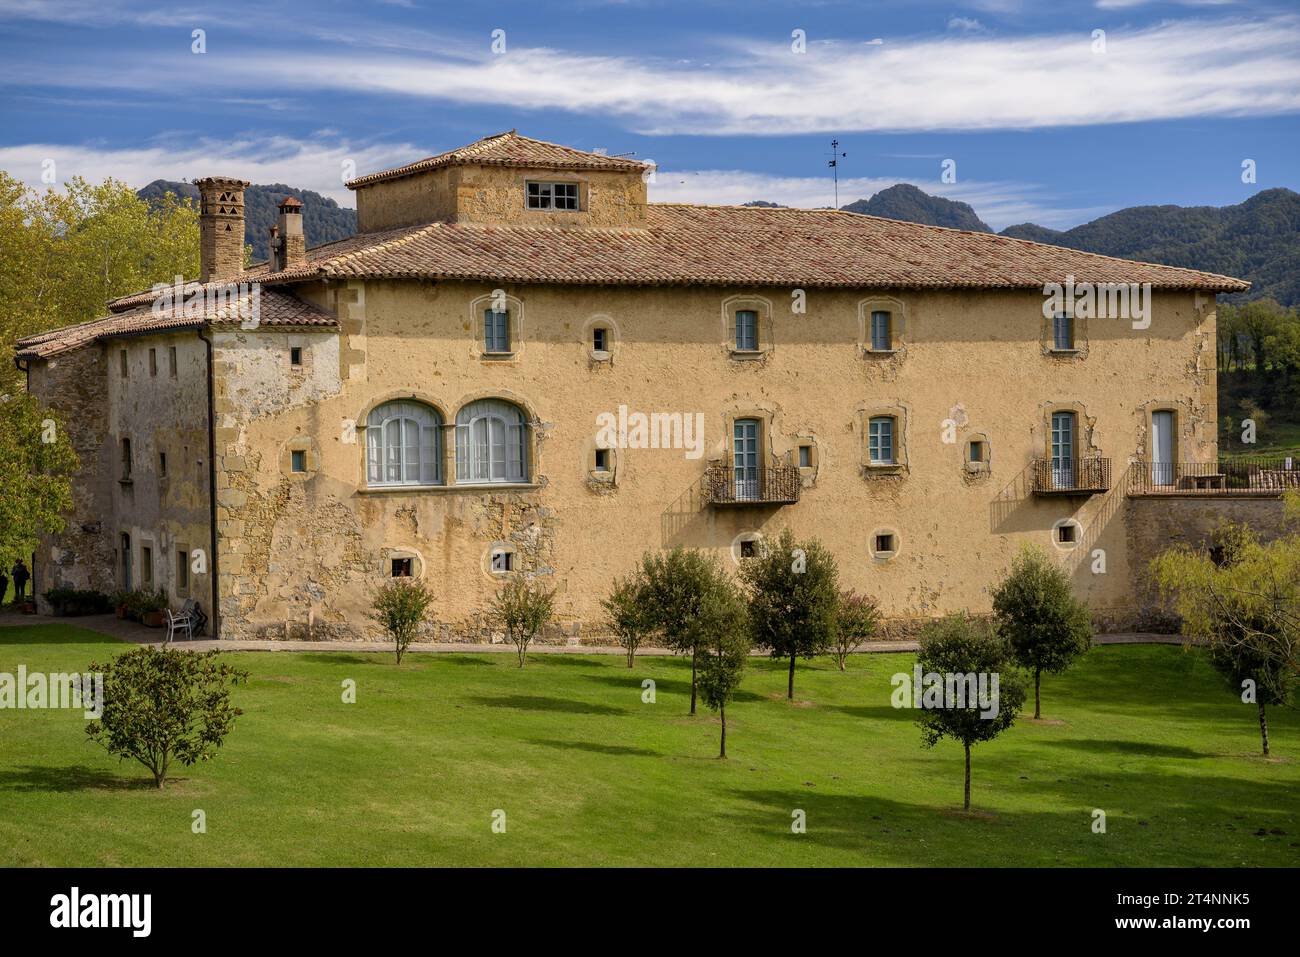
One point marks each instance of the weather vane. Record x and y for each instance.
(834, 164)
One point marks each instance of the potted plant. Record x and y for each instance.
(120, 602)
(151, 606)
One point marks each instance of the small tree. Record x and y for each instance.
(400, 608)
(676, 584)
(1246, 606)
(1036, 611)
(630, 615)
(724, 645)
(37, 462)
(953, 648)
(523, 607)
(793, 594)
(161, 706)
(856, 619)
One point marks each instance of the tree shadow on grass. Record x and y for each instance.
(629, 682)
(1139, 748)
(881, 712)
(68, 779)
(521, 702)
(347, 658)
(459, 659)
(615, 750)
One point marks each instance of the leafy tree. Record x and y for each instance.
(1036, 611)
(676, 584)
(856, 619)
(63, 254)
(1246, 606)
(958, 645)
(37, 463)
(161, 706)
(629, 612)
(724, 644)
(793, 595)
(523, 607)
(400, 607)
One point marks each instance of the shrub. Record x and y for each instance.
(1036, 611)
(400, 607)
(523, 607)
(630, 616)
(161, 706)
(856, 619)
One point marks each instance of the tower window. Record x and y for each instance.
(602, 460)
(295, 356)
(298, 460)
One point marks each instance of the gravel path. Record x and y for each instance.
(135, 633)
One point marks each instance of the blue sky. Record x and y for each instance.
(1044, 122)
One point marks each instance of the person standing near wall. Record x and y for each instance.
(21, 576)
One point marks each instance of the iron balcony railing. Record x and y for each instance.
(1237, 477)
(724, 486)
(1082, 476)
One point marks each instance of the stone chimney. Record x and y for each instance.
(221, 228)
(288, 244)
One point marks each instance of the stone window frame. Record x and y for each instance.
(173, 363)
(767, 457)
(300, 443)
(1072, 522)
(146, 545)
(748, 536)
(184, 579)
(1084, 429)
(514, 322)
(1183, 429)
(806, 440)
(1079, 329)
(881, 557)
(613, 336)
(897, 310)
(561, 180)
(983, 467)
(360, 426)
(900, 413)
(601, 479)
(401, 552)
(500, 547)
(764, 326)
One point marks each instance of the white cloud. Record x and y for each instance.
(960, 82)
(315, 164)
(999, 204)
(965, 25)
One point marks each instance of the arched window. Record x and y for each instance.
(491, 443)
(404, 445)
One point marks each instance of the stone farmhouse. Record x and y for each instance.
(519, 365)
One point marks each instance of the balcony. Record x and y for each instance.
(1085, 476)
(724, 487)
(1237, 477)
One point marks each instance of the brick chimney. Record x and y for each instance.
(288, 244)
(221, 228)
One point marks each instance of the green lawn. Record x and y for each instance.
(589, 775)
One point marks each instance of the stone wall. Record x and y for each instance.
(302, 553)
(1158, 522)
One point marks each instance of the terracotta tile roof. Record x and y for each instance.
(507, 149)
(274, 309)
(734, 246)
